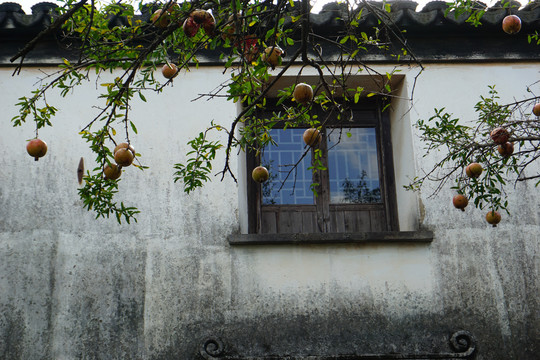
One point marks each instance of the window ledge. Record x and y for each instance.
(422, 236)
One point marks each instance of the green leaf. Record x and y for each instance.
(133, 127)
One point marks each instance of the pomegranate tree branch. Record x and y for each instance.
(132, 70)
(529, 178)
(226, 168)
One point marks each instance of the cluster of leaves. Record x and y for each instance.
(198, 167)
(118, 44)
(466, 143)
(474, 10)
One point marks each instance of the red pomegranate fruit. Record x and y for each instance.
(303, 93)
(190, 27)
(511, 24)
(536, 109)
(124, 157)
(36, 148)
(493, 217)
(473, 170)
(312, 137)
(160, 19)
(460, 202)
(169, 71)
(506, 149)
(499, 135)
(205, 19)
(272, 55)
(112, 171)
(260, 174)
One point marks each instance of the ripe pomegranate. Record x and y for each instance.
(190, 27)
(499, 135)
(272, 55)
(493, 217)
(205, 19)
(536, 109)
(511, 24)
(473, 170)
(460, 202)
(112, 171)
(260, 174)
(312, 137)
(36, 148)
(124, 157)
(123, 146)
(169, 71)
(159, 20)
(506, 149)
(303, 93)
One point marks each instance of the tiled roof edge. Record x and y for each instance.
(403, 13)
(431, 36)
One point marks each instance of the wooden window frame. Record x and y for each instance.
(324, 208)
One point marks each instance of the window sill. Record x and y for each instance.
(423, 236)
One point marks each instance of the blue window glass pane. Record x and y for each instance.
(279, 160)
(353, 168)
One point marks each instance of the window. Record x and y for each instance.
(356, 192)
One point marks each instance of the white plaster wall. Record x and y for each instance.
(70, 278)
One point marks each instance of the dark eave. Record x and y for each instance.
(432, 36)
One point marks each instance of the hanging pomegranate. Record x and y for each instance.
(499, 135)
(536, 109)
(124, 156)
(160, 18)
(506, 149)
(260, 174)
(169, 71)
(190, 27)
(460, 202)
(273, 56)
(303, 93)
(112, 171)
(36, 148)
(312, 137)
(493, 217)
(473, 170)
(511, 24)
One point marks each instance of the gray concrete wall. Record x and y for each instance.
(73, 287)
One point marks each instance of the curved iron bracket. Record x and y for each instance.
(461, 342)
